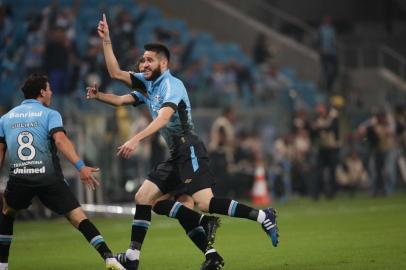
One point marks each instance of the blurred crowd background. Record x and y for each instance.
(316, 96)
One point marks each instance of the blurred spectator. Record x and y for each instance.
(248, 153)
(301, 121)
(351, 174)
(6, 29)
(400, 119)
(222, 134)
(93, 67)
(223, 82)
(328, 52)
(123, 131)
(34, 46)
(194, 76)
(176, 55)
(222, 147)
(261, 53)
(273, 83)
(65, 19)
(245, 82)
(166, 36)
(302, 163)
(326, 128)
(123, 36)
(280, 172)
(139, 163)
(56, 60)
(380, 135)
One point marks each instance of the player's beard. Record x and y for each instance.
(155, 73)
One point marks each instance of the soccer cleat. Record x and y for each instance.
(113, 264)
(128, 264)
(210, 225)
(270, 227)
(213, 262)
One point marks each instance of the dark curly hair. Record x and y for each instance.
(33, 85)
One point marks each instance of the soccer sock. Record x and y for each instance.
(188, 219)
(6, 236)
(198, 237)
(232, 208)
(92, 234)
(141, 222)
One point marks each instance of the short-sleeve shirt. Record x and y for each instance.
(27, 132)
(166, 90)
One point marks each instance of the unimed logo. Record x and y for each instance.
(26, 170)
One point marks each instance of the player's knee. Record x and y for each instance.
(143, 198)
(203, 206)
(189, 204)
(187, 201)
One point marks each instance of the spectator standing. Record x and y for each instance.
(328, 52)
(326, 128)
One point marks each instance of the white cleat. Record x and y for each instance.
(113, 264)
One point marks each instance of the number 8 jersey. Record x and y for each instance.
(27, 132)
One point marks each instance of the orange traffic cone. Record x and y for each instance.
(260, 195)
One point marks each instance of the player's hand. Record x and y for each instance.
(92, 91)
(87, 177)
(127, 148)
(103, 29)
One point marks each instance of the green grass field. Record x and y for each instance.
(360, 233)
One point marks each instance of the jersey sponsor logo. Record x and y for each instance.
(26, 170)
(25, 115)
(28, 163)
(25, 125)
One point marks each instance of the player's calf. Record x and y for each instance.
(210, 225)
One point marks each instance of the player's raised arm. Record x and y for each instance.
(112, 99)
(111, 61)
(65, 145)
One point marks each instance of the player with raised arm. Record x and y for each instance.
(203, 236)
(188, 165)
(31, 134)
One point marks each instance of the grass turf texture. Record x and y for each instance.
(360, 233)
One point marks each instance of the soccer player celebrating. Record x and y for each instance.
(188, 165)
(203, 235)
(30, 134)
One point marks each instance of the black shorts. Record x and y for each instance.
(56, 196)
(186, 171)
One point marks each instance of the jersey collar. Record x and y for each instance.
(160, 78)
(30, 101)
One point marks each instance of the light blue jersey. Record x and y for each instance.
(27, 132)
(166, 90)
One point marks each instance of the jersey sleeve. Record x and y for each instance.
(55, 123)
(138, 98)
(138, 81)
(2, 133)
(172, 95)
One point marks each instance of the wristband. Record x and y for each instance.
(79, 164)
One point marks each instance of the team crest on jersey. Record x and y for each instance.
(157, 99)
